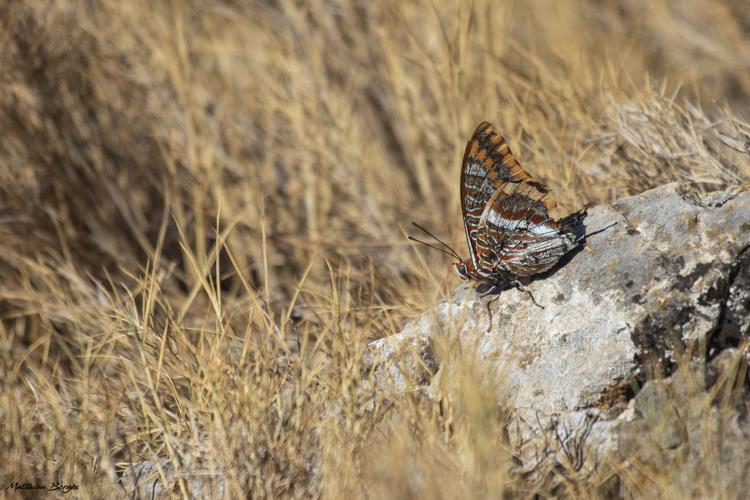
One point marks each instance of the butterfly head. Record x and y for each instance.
(465, 269)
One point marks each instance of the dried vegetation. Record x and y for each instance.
(203, 208)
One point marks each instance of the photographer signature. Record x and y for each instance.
(53, 486)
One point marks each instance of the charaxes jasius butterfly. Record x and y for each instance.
(506, 217)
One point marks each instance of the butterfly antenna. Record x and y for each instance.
(450, 251)
(597, 231)
(433, 247)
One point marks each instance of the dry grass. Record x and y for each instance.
(203, 209)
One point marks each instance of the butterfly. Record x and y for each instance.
(508, 228)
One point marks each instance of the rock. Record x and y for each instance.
(396, 363)
(655, 403)
(664, 277)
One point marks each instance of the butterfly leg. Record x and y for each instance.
(517, 284)
(489, 291)
(489, 311)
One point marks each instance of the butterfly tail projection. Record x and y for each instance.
(573, 223)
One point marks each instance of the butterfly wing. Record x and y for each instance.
(506, 212)
(523, 240)
(497, 196)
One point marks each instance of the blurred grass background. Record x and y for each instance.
(203, 209)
